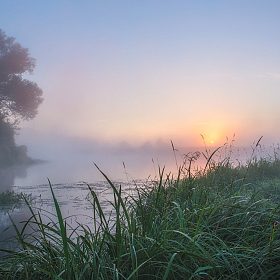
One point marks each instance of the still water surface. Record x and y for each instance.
(70, 176)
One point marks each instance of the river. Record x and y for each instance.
(69, 176)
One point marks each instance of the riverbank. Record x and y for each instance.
(221, 222)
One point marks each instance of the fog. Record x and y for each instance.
(121, 80)
(72, 159)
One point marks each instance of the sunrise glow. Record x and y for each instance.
(123, 72)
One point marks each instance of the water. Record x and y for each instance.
(74, 199)
(69, 177)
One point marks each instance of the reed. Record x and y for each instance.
(220, 223)
(11, 199)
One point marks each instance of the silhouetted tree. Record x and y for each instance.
(19, 97)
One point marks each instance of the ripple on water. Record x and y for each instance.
(74, 200)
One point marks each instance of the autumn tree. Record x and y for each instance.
(19, 97)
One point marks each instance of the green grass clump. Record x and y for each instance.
(10, 198)
(220, 223)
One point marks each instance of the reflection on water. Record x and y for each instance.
(74, 201)
(7, 230)
(9, 174)
(67, 176)
(82, 168)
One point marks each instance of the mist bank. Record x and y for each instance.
(49, 146)
(73, 159)
(46, 145)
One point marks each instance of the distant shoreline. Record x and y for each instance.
(25, 163)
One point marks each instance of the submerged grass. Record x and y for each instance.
(219, 223)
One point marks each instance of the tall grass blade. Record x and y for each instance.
(63, 233)
(168, 267)
(119, 197)
(209, 159)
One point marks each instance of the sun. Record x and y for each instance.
(212, 133)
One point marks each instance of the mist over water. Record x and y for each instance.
(70, 166)
(121, 81)
(70, 160)
(73, 160)
(81, 168)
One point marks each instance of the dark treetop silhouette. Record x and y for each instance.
(19, 97)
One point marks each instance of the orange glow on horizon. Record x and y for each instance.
(212, 133)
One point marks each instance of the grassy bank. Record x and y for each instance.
(220, 223)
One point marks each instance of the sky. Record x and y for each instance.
(136, 73)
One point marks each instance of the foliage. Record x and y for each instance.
(10, 153)
(215, 224)
(19, 97)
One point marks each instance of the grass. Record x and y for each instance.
(219, 223)
(10, 198)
